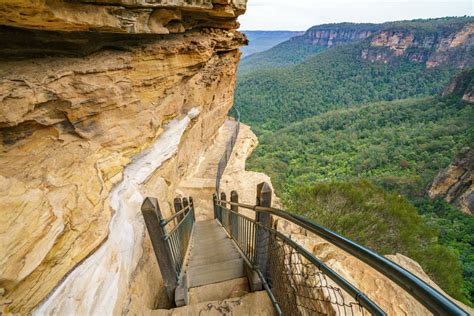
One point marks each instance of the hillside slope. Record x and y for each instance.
(404, 59)
(314, 40)
(420, 36)
(346, 162)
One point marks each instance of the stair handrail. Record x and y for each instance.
(425, 294)
(228, 151)
(170, 243)
(166, 221)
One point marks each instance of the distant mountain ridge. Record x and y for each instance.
(432, 42)
(401, 60)
(314, 40)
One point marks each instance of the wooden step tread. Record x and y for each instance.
(213, 257)
(215, 272)
(209, 259)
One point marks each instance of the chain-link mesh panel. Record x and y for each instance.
(298, 285)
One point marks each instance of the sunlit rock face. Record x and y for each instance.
(456, 182)
(72, 117)
(433, 48)
(329, 35)
(121, 16)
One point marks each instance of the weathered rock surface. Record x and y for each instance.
(256, 303)
(461, 86)
(453, 47)
(455, 184)
(389, 296)
(329, 35)
(235, 176)
(70, 124)
(121, 16)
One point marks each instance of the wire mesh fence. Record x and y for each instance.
(299, 285)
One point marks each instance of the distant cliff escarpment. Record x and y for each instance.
(329, 35)
(434, 44)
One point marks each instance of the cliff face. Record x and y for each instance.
(329, 35)
(87, 133)
(456, 183)
(452, 47)
(461, 86)
(122, 16)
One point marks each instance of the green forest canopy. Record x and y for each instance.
(398, 145)
(334, 127)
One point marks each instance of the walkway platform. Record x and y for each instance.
(213, 257)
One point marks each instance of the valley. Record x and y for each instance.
(354, 126)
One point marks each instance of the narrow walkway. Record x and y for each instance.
(213, 257)
(202, 182)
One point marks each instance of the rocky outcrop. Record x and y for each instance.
(434, 47)
(329, 35)
(455, 184)
(461, 86)
(121, 16)
(86, 133)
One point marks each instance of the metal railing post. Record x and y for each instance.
(152, 215)
(185, 204)
(214, 200)
(264, 198)
(221, 218)
(178, 206)
(191, 202)
(234, 197)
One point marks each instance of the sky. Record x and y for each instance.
(299, 15)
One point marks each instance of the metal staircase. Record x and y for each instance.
(249, 244)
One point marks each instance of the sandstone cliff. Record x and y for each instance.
(121, 16)
(89, 124)
(461, 86)
(456, 183)
(329, 35)
(432, 45)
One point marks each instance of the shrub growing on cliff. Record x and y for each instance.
(383, 221)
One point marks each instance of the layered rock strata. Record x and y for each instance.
(455, 183)
(121, 16)
(70, 122)
(329, 35)
(432, 48)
